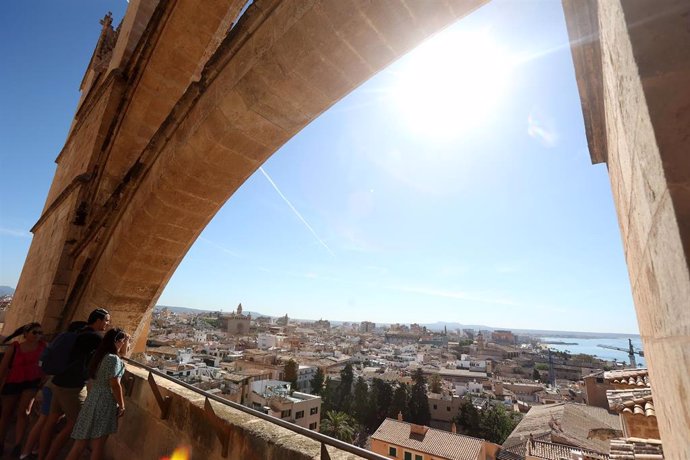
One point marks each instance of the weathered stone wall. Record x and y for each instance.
(161, 71)
(142, 433)
(647, 127)
(134, 23)
(36, 284)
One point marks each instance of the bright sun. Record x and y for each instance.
(452, 83)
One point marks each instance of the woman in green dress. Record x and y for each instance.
(105, 402)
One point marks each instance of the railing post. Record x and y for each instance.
(128, 384)
(222, 429)
(324, 452)
(163, 402)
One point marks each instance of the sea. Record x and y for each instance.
(589, 347)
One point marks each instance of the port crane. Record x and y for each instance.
(630, 351)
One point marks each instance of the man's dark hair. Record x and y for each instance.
(98, 313)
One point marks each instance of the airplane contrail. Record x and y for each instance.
(299, 216)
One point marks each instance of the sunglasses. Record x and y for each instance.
(37, 332)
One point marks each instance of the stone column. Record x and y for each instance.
(645, 65)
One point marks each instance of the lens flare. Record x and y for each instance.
(541, 129)
(181, 453)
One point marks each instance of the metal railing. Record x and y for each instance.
(322, 438)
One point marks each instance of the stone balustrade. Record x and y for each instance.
(153, 428)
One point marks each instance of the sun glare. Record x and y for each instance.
(451, 83)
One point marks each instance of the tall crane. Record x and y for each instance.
(630, 351)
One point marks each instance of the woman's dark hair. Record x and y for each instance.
(107, 346)
(22, 330)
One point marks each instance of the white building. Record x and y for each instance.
(305, 374)
(469, 387)
(200, 336)
(265, 341)
(273, 397)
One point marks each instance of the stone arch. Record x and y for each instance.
(147, 193)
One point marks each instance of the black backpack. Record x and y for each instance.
(55, 358)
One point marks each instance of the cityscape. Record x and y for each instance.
(360, 382)
(494, 392)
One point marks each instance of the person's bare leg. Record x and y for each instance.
(60, 440)
(47, 435)
(97, 447)
(34, 435)
(9, 402)
(25, 400)
(77, 449)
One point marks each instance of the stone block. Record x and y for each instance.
(396, 24)
(297, 91)
(351, 24)
(645, 200)
(271, 105)
(665, 250)
(669, 365)
(324, 76)
(335, 46)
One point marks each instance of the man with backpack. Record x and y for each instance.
(68, 383)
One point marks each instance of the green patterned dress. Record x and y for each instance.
(98, 415)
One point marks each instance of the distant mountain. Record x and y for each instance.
(6, 290)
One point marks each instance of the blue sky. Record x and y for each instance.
(455, 185)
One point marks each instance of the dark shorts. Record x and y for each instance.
(10, 389)
(47, 397)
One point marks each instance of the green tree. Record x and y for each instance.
(419, 402)
(380, 399)
(290, 373)
(385, 397)
(496, 424)
(372, 415)
(536, 375)
(360, 401)
(339, 425)
(468, 419)
(345, 388)
(317, 382)
(329, 396)
(435, 383)
(401, 397)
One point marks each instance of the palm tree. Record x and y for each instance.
(338, 425)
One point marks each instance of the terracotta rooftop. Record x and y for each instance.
(636, 449)
(435, 442)
(554, 451)
(566, 423)
(508, 455)
(633, 401)
(631, 377)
